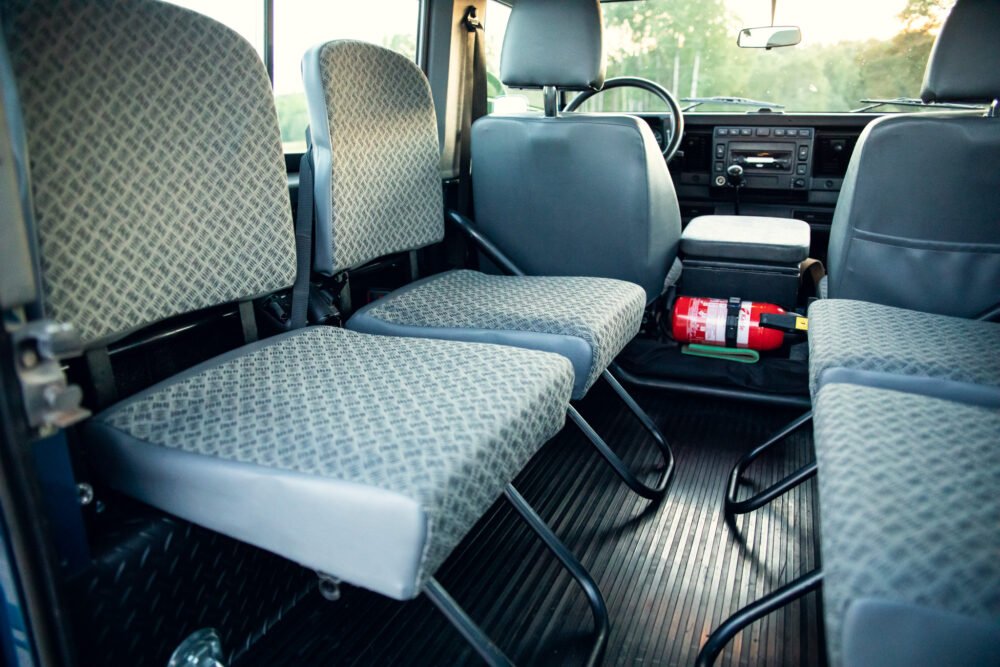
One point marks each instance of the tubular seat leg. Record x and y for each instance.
(631, 480)
(472, 633)
(790, 592)
(734, 506)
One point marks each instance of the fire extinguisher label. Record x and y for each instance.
(743, 328)
(715, 322)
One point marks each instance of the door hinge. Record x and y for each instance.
(50, 401)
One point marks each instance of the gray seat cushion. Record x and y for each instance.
(587, 320)
(365, 457)
(746, 237)
(909, 504)
(872, 337)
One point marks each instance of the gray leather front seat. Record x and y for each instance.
(917, 221)
(575, 194)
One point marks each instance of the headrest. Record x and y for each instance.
(554, 43)
(964, 65)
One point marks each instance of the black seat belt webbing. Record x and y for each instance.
(473, 103)
(303, 243)
(248, 320)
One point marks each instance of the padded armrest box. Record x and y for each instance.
(754, 258)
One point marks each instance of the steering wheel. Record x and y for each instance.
(676, 117)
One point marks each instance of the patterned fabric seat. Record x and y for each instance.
(365, 457)
(865, 336)
(907, 491)
(160, 189)
(587, 320)
(378, 192)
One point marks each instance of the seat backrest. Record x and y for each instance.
(574, 194)
(918, 221)
(376, 155)
(156, 163)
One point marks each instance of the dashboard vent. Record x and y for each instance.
(833, 153)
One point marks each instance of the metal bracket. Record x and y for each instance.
(50, 402)
(329, 586)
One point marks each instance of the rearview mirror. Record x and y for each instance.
(769, 36)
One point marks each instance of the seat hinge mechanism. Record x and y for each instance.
(50, 401)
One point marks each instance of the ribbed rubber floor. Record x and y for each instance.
(670, 573)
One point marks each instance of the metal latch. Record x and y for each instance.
(49, 400)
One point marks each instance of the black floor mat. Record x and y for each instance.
(670, 573)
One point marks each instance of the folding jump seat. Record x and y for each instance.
(908, 468)
(377, 191)
(914, 247)
(159, 189)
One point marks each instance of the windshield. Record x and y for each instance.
(851, 50)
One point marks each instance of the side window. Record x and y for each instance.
(499, 97)
(244, 16)
(302, 24)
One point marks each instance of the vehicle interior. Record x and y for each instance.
(536, 332)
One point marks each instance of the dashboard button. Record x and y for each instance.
(722, 131)
(780, 132)
(720, 150)
(799, 183)
(804, 133)
(720, 167)
(801, 170)
(746, 132)
(720, 180)
(803, 152)
(763, 131)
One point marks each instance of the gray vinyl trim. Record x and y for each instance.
(325, 524)
(951, 390)
(322, 152)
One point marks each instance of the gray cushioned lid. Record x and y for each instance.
(748, 238)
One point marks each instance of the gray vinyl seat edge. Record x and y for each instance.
(587, 320)
(882, 455)
(872, 337)
(365, 457)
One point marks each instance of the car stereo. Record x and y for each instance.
(777, 158)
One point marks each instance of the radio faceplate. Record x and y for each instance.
(774, 158)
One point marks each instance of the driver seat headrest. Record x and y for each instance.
(554, 43)
(964, 65)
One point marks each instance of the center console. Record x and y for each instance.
(754, 258)
(774, 158)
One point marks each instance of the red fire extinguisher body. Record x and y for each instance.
(704, 321)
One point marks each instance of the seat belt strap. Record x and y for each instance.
(248, 320)
(303, 243)
(473, 103)
(102, 376)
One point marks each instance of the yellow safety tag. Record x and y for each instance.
(802, 323)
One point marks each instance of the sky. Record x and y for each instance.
(300, 24)
(826, 21)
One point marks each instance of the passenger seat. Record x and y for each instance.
(378, 191)
(160, 189)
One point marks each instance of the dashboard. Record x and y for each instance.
(793, 164)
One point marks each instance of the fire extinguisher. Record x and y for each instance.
(733, 323)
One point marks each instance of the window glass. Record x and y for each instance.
(500, 97)
(851, 50)
(302, 24)
(244, 16)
